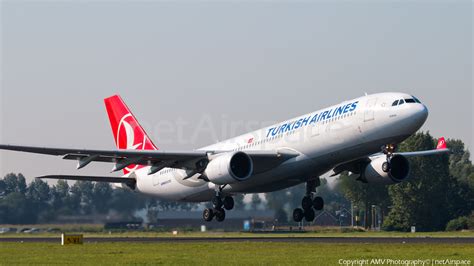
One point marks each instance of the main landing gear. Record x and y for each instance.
(220, 203)
(388, 150)
(309, 204)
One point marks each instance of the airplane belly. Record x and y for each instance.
(172, 187)
(284, 176)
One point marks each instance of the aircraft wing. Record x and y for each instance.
(440, 149)
(355, 165)
(126, 180)
(423, 153)
(190, 160)
(121, 158)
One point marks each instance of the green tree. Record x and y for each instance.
(277, 199)
(239, 203)
(462, 169)
(256, 201)
(126, 202)
(281, 216)
(14, 183)
(426, 199)
(61, 197)
(15, 209)
(460, 166)
(38, 195)
(82, 196)
(152, 210)
(333, 195)
(38, 191)
(364, 195)
(101, 197)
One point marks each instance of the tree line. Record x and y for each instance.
(440, 189)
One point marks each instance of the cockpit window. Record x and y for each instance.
(402, 101)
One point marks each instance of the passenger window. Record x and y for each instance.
(395, 103)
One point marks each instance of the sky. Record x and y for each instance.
(197, 72)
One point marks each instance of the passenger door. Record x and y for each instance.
(369, 110)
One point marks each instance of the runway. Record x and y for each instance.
(361, 240)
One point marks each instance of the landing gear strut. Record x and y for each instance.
(220, 203)
(309, 203)
(388, 150)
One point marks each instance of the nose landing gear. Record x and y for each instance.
(309, 204)
(388, 150)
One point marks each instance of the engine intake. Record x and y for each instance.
(399, 170)
(228, 168)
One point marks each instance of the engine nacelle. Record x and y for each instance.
(228, 168)
(399, 170)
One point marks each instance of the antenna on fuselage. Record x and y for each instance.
(366, 94)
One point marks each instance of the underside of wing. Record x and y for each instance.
(107, 179)
(121, 158)
(156, 160)
(130, 182)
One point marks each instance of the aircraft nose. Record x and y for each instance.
(421, 114)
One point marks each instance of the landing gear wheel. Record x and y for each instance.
(298, 215)
(306, 203)
(386, 167)
(318, 203)
(309, 215)
(217, 202)
(228, 203)
(220, 215)
(208, 214)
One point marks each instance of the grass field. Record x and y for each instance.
(253, 253)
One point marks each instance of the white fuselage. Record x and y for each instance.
(323, 139)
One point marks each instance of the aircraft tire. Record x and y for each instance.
(208, 214)
(228, 203)
(298, 215)
(217, 202)
(306, 203)
(318, 203)
(220, 215)
(309, 215)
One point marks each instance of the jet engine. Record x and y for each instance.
(378, 171)
(228, 168)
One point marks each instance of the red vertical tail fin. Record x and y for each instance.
(128, 133)
(441, 144)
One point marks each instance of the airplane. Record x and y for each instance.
(360, 136)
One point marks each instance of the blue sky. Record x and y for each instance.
(223, 68)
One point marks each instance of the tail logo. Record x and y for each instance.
(441, 144)
(127, 127)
